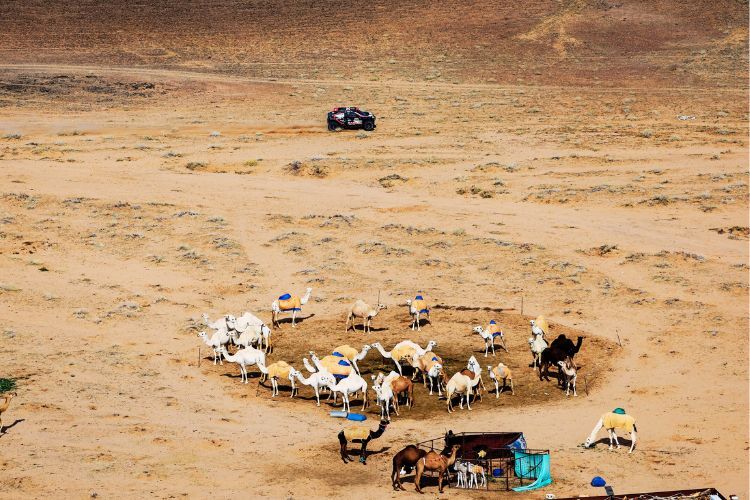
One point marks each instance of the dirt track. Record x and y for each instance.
(133, 200)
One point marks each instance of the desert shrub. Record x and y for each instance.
(196, 165)
(7, 384)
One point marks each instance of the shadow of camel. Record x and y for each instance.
(360, 328)
(605, 441)
(5, 428)
(288, 319)
(358, 450)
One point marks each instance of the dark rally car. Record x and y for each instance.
(350, 118)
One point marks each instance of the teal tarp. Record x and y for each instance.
(532, 466)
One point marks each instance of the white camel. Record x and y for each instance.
(287, 303)
(616, 419)
(363, 310)
(462, 385)
(404, 351)
(351, 354)
(317, 381)
(244, 357)
(351, 385)
(276, 371)
(254, 327)
(337, 366)
(217, 340)
(501, 372)
(537, 344)
(489, 336)
(385, 398)
(417, 308)
(219, 324)
(570, 374)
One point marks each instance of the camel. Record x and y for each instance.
(253, 327)
(275, 371)
(361, 309)
(350, 385)
(501, 372)
(462, 385)
(493, 331)
(352, 354)
(338, 366)
(317, 381)
(569, 372)
(560, 349)
(361, 434)
(473, 370)
(417, 307)
(405, 459)
(467, 474)
(475, 470)
(430, 366)
(286, 303)
(539, 326)
(616, 419)
(400, 385)
(4, 406)
(403, 386)
(435, 462)
(221, 323)
(537, 344)
(244, 357)
(404, 350)
(385, 398)
(462, 473)
(215, 342)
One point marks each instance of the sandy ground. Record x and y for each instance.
(132, 200)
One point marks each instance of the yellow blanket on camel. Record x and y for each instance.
(290, 304)
(356, 432)
(615, 421)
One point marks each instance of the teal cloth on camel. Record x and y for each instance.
(532, 466)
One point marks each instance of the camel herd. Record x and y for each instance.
(339, 374)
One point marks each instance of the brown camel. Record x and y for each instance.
(435, 462)
(361, 434)
(4, 406)
(405, 459)
(403, 386)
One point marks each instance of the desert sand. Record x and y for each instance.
(583, 160)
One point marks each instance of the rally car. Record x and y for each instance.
(351, 118)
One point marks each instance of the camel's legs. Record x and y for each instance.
(317, 395)
(344, 451)
(363, 452)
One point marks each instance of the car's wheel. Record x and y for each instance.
(369, 126)
(331, 125)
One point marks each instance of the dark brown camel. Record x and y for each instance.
(560, 349)
(362, 435)
(405, 459)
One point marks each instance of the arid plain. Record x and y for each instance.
(588, 160)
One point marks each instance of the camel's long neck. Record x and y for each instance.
(382, 352)
(5, 404)
(578, 345)
(452, 458)
(377, 433)
(597, 427)
(303, 300)
(361, 355)
(262, 367)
